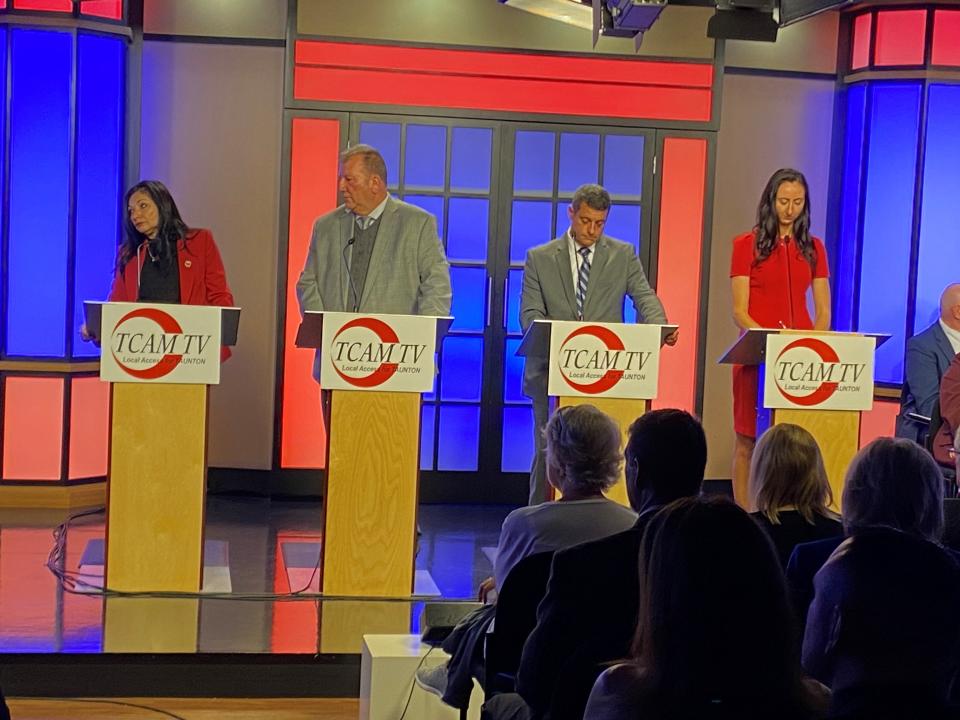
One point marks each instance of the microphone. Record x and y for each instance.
(353, 287)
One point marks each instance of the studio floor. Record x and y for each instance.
(255, 547)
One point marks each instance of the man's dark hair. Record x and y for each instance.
(670, 449)
(593, 195)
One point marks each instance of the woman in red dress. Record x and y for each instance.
(772, 268)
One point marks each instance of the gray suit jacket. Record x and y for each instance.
(548, 292)
(408, 273)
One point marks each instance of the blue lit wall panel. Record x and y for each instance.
(470, 158)
(469, 292)
(579, 160)
(468, 233)
(462, 369)
(425, 156)
(938, 263)
(529, 227)
(433, 204)
(533, 162)
(513, 373)
(623, 223)
(100, 133)
(623, 165)
(517, 449)
(514, 291)
(385, 137)
(562, 219)
(844, 255)
(39, 192)
(888, 220)
(428, 417)
(459, 440)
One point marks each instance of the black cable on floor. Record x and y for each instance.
(413, 682)
(148, 708)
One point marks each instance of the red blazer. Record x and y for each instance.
(949, 413)
(202, 278)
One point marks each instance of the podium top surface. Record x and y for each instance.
(751, 347)
(310, 331)
(536, 340)
(229, 320)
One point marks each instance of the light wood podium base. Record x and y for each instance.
(157, 487)
(837, 432)
(370, 501)
(624, 411)
(139, 625)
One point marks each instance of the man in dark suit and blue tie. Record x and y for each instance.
(581, 275)
(928, 355)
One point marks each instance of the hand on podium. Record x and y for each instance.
(87, 337)
(671, 339)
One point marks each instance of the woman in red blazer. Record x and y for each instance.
(161, 260)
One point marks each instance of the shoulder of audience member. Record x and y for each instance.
(616, 693)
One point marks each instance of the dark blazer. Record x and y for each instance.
(805, 563)
(794, 530)
(928, 355)
(587, 617)
(548, 292)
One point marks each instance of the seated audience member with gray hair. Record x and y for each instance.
(891, 483)
(583, 460)
(883, 630)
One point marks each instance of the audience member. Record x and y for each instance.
(884, 631)
(788, 483)
(590, 610)
(583, 460)
(716, 636)
(943, 441)
(928, 355)
(4, 712)
(891, 483)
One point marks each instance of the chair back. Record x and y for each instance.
(520, 594)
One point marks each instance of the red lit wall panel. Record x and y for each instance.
(28, 591)
(32, 428)
(680, 248)
(901, 35)
(860, 55)
(112, 9)
(353, 73)
(48, 5)
(946, 38)
(89, 427)
(314, 150)
(881, 421)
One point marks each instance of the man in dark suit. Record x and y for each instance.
(581, 275)
(928, 355)
(589, 613)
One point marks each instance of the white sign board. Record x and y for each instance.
(819, 372)
(604, 360)
(378, 352)
(160, 343)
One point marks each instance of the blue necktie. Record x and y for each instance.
(582, 277)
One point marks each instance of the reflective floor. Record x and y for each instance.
(254, 546)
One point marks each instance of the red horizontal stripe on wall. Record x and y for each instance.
(112, 9)
(679, 251)
(46, 5)
(510, 82)
(32, 428)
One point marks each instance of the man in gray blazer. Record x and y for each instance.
(582, 275)
(374, 254)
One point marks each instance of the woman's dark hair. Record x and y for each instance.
(767, 231)
(170, 226)
(715, 620)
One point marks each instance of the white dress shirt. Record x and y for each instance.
(952, 335)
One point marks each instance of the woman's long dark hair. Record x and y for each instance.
(170, 226)
(715, 619)
(767, 231)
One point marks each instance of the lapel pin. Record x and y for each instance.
(187, 263)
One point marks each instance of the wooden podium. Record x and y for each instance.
(373, 445)
(624, 400)
(837, 431)
(156, 486)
